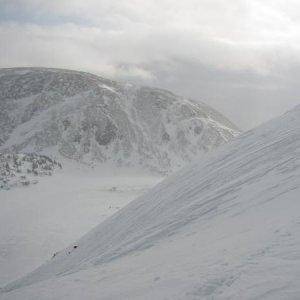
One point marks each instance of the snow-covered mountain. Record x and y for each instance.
(84, 117)
(226, 228)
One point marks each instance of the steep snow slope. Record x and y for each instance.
(88, 118)
(225, 228)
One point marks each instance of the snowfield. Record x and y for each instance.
(39, 220)
(227, 227)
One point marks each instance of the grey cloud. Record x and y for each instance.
(241, 57)
(244, 96)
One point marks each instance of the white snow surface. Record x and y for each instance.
(80, 116)
(38, 220)
(227, 227)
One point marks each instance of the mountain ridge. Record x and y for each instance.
(91, 119)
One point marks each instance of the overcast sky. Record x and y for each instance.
(241, 57)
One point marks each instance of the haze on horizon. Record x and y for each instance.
(242, 57)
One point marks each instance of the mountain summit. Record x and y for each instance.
(80, 116)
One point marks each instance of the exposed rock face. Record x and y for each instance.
(24, 169)
(90, 119)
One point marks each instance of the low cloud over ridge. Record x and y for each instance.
(239, 56)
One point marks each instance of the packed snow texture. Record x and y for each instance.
(24, 169)
(227, 227)
(90, 119)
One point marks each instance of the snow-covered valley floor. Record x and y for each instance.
(38, 220)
